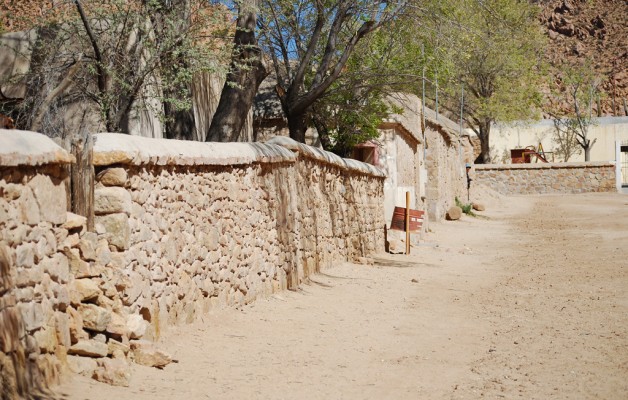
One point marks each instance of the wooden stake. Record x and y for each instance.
(82, 177)
(407, 222)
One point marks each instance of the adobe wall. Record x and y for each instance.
(181, 227)
(550, 178)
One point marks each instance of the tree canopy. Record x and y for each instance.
(109, 56)
(335, 61)
(493, 50)
(310, 43)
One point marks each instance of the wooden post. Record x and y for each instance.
(407, 222)
(82, 178)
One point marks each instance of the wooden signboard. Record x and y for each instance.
(399, 219)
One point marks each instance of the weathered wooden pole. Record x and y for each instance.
(82, 179)
(407, 222)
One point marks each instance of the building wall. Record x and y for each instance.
(180, 227)
(446, 157)
(607, 131)
(401, 159)
(547, 178)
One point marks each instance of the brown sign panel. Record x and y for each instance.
(399, 219)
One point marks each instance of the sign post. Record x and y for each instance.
(407, 222)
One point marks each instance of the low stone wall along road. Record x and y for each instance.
(527, 302)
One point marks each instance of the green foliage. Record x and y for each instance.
(327, 60)
(466, 208)
(493, 49)
(357, 102)
(131, 55)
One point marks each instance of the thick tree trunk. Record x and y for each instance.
(323, 134)
(246, 73)
(297, 126)
(485, 150)
(179, 123)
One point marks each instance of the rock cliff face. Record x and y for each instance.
(596, 30)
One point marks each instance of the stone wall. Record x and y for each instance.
(34, 268)
(228, 223)
(547, 178)
(445, 157)
(181, 227)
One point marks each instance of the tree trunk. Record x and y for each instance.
(297, 126)
(246, 73)
(323, 134)
(179, 123)
(587, 154)
(485, 150)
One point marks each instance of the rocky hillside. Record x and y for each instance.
(596, 30)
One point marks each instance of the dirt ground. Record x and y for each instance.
(529, 302)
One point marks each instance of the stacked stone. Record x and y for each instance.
(174, 236)
(195, 238)
(341, 212)
(60, 303)
(201, 234)
(34, 273)
(446, 179)
(547, 178)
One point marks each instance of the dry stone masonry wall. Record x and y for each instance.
(445, 158)
(547, 178)
(180, 227)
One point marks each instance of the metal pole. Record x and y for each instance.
(590, 102)
(461, 108)
(423, 99)
(407, 222)
(436, 76)
(423, 88)
(461, 122)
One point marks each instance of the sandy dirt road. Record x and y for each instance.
(530, 302)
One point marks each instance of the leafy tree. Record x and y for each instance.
(350, 112)
(116, 55)
(246, 73)
(345, 119)
(309, 43)
(578, 85)
(493, 49)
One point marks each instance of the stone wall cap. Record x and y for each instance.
(327, 157)
(30, 148)
(591, 164)
(118, 148)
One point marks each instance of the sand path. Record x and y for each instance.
(531, 302)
